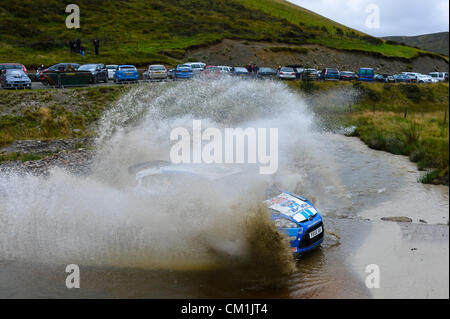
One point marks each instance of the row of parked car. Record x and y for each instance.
(15, 75)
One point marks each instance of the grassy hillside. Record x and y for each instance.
(435, 42)
(142, 31)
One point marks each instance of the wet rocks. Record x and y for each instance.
(397, 219)
(46, 146)
(74, 161)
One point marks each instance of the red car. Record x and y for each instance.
(212, 71)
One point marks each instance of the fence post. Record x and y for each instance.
(406, 112)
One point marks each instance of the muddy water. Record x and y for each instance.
(198, 242)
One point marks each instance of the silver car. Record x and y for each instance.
(225, 69)
(111, 71)
(156, 72)
(286, 74)
(15, 79)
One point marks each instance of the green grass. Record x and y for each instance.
(378, 113)
(33, 32)
(52, 114)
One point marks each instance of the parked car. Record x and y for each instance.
(403, 78)
(439, 76)
(298, 69)
(309, 75)
(422, 78)
(57, 68)
(171, 74)
(156, 72)
(37, 75)
(15, 79)
(183, 71)
(286, 74)
(413, 75)
(12, 66)
(240, 72)
(366, 74)
(225, 69)
(319, 75)
(111, 70)
(347, 76)
(266, 73)
(211, 71)
(197, 67)
(384, 78)
(99, 72)
(126, 73)
(330, 74)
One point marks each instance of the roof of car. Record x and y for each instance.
(14, 70)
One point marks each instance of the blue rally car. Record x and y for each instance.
(296, 216)
(293, 215)
(126, 73)
(183, 71)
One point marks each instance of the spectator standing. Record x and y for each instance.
(255, 69)
(72, 46)
(82, 50)
(78, 46)
(96, 45)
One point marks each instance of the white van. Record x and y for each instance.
(439, 76)
(197, 67)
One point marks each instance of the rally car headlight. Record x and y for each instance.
(285, 223)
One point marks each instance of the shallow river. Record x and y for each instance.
(193, 241)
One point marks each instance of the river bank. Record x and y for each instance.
(403, 119)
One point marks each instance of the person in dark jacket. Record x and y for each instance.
(78, 45)
(96, 45)
(72, 46)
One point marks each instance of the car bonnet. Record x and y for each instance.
(291, 207)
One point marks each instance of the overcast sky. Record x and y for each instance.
(397, 17)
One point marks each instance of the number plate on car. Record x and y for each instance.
(316, 232)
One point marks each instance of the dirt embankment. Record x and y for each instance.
(238, 52)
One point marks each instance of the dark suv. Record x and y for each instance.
(99, 72)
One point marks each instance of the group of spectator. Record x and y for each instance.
(252, 68)
(77, 47)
